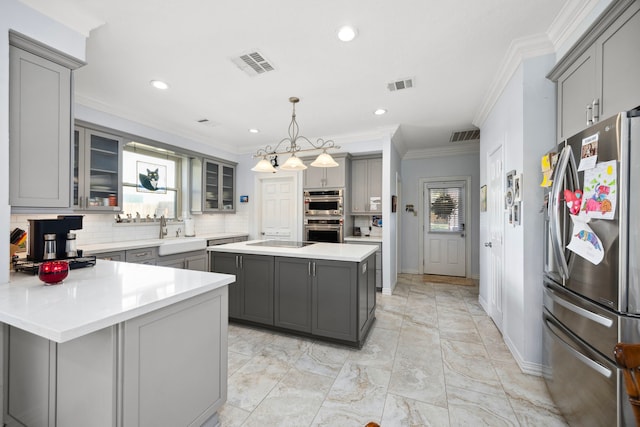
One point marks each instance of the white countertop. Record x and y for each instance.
(329, 251)
(139, 244)
(93, 298)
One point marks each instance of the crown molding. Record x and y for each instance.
(569, 20)
(519, 50)
(444, 151)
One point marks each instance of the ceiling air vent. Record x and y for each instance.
(207, 122)
(400, 84)
(465, 136)
(253, 63)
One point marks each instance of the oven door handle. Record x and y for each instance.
(602, 370)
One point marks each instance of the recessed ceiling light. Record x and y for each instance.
(254, 130)
(347, 33)
(159, 84)
(380, 111)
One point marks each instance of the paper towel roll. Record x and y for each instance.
(189, 227)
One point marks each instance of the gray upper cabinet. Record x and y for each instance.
(97, 171)
(40, 122)
(218, 187)
(326, 177)
(597, 78)
(366, 186)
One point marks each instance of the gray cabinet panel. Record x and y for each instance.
(176, 358)
(334, 308)
(576, 90)
(620, 86)
(227, 264)
(196, 262)
(39, 131)
(335, 177)
(257, 289)
(251, 295)
(292, 298)
(218, 186)
(111, 256)
(366, 185)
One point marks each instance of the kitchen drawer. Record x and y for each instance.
(215, 242)
(111, 256)
(143, 256)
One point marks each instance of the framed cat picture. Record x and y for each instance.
(151, 178)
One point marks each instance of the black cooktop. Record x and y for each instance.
(281, 244)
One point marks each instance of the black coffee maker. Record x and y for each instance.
(38, 228)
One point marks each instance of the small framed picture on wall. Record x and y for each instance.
(517, 187)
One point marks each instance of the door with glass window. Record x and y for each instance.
(444, 228)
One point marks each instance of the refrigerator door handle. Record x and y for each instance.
(554, 209)
(602, 370)
(604, 321)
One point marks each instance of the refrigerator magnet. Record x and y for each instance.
(588, 153)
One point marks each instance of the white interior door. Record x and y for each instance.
(444, 228)
(495, 211)
(278, 213)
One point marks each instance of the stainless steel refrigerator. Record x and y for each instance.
(592, 291)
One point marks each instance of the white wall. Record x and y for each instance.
(415, 169)
(523, 121)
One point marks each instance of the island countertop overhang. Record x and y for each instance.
(90, 299)
(327, 251)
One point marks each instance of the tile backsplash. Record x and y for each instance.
(364, 222)
(102, 228)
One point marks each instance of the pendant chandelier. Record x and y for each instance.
(291, 145)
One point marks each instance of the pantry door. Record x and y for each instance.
(445, 236)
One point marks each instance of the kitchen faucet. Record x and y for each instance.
(163, 227)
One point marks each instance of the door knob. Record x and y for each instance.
(487, 244)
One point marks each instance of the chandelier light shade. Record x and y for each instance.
(292, 145)
(324, 160)
(293, 163)
(263, 165)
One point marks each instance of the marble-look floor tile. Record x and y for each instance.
(433, 357)
(252, 382)
(400, 411)
(467, 366)
(323, 359)
(293, 402)
(468, 408)
(458, 326)
(231, 416)
(379, 350)
(359, 389)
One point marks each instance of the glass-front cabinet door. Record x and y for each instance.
(218, 186)
(228, 184)
(97, 169)
(211, 186)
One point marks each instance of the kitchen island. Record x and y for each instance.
(116, 344)
(321, 290)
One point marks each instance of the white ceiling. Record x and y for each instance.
(452, 49)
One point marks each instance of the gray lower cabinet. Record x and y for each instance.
(251, 295)
(111, 256)
(328, 299)
(142, 255)
(335, 299)
(292, 292)
(164, 368)
(194, 260)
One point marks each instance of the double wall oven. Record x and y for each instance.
(324, 215)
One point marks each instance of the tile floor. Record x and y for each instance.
(433, 358)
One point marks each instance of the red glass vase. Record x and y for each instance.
(52, 272)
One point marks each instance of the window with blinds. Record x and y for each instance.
(446, 210)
